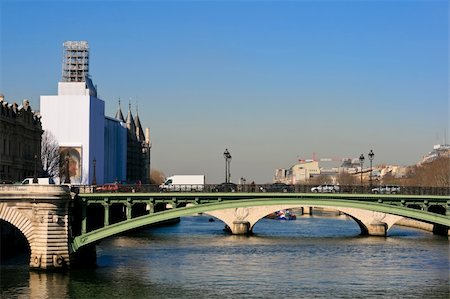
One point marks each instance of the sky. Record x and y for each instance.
(271, 81)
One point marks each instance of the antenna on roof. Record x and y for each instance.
(137, 106)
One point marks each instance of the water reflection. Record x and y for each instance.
(309, 257)
(48, 285)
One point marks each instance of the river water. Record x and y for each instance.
(311, 257)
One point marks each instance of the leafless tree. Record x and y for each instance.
(390, 179)
(50, 155)
(320, 179)
(433, 174)
(346, 179)
(156, 177)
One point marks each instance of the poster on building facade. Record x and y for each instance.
(70, 161)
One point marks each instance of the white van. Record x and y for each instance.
(41, 181)
(183, 183)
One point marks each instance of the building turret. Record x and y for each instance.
(139, 131)
(119, 114)
(130, 122)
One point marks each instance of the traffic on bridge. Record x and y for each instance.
(263, 188)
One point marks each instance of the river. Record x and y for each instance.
(311, 257)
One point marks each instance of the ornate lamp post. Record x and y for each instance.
(361, 161)
(94, 178)
(229, 168)
(227, 157)
(35, 179)
(371, 155)
(66, 161)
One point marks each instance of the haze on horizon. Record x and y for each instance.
(272, 82)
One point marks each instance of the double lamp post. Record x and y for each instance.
(361, 161)
(227, 157)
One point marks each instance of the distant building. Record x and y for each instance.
(298, 173)
(20, 141)
(439, 150)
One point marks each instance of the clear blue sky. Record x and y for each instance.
(272, 81)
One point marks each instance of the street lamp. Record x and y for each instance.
(66, 161)
(94, 178)
(227, 157)
(35, 179)
(371, 155)
(361, 161)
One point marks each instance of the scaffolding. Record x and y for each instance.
(75, 61)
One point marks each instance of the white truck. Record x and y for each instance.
(183, 183)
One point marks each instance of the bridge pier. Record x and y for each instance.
(307, 210)
(377, 228)
(41, 214)
(372, 223)
(240, 227)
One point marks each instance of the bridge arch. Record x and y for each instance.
(242, 220)
(18, 220)
(378, 215)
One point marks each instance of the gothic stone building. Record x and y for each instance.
(20, 141)
(138, 148)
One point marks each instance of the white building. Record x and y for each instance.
(76, 117)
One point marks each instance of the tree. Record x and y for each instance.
(321, 179)
(346, 179)
(156, 177)
(433, 174)
(50, 155)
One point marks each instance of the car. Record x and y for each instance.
(108, 187)
(114, 187)
(277, 187)
(226, 187)
(6, 182)
(386, 189)
(40, 181)
(325, 188)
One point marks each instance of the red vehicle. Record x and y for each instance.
(115, 187)
(108, 187)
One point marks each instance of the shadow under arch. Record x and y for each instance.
(14, 246)
(17, 220)
(262, 213)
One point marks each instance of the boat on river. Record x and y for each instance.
(282, 215)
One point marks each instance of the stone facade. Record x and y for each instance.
(20, 141)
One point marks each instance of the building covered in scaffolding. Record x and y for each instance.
(101, 149)
(75, 66)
